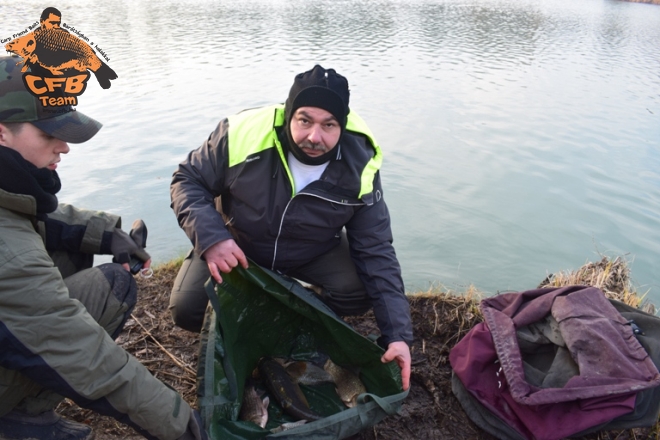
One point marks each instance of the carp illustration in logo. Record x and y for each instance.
(57, 50)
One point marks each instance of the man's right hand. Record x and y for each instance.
(223, 257)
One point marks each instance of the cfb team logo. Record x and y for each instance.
(59, 61)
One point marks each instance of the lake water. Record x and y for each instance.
(521, 137)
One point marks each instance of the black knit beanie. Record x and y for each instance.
(322, 88)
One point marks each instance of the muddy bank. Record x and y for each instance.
(440, 320)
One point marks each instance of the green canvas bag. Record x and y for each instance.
(257, 313)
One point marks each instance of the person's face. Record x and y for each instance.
(314, 130)
(52, 22)
(37, 147)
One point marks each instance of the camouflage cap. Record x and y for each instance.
(17, 104)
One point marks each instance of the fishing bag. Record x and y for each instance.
(557, 362)
(257, 313)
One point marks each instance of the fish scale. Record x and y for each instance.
(57, 50)
(348, 384)
(60, 40)
(253, 408)
(284, 390)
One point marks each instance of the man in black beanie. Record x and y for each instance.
(300, 193)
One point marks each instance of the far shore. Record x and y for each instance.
(653, 2)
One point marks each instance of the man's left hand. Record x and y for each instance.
(147, 265)
(124, 246)
(400, 352)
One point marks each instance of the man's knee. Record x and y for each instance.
(124, 289)
(341, 288)
(108, 292)
(348, 302)
(188, 315)
(122, 284)
(188, 299)
(346, 294)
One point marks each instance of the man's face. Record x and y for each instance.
(314, 130)
(53, 21)
(37, 147)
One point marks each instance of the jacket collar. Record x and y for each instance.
(20, 203)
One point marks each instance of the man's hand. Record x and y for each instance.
(223, 257)
(147, 265)
(127, 248)
(398, 351)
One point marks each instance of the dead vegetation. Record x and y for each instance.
(440, 320)
(610, 276)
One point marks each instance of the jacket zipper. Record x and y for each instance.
(286, 208)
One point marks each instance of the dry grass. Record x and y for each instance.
(453, 314)
(610, 276)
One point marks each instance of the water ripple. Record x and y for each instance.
(520, 136)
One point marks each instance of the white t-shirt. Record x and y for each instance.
(304, 174)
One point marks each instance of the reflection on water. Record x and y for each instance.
(520, 137)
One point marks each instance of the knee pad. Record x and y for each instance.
(122, 284)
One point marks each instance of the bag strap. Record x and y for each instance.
(380, 401)
(209, 287)
(227, 363)
(328, 428)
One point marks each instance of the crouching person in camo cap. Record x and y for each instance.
(58, 314)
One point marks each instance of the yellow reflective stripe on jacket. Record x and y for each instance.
(356, 123)
(252, 131)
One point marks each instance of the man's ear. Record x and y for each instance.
(9, 128)
(3, 132)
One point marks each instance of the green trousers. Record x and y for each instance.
(109, 294)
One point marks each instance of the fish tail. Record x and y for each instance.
(104, 74)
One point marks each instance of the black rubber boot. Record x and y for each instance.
(45, 426)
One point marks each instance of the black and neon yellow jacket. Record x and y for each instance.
(243, 162)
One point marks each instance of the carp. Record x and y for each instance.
(305, 373)
(347, 383)
(253, 408)
(287, 393)
(57, 50)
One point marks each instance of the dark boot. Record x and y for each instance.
(45, 426)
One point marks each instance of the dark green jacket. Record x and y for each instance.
(52, 339)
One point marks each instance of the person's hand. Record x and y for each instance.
(400, 352)
(126, 247)
(223, 257)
